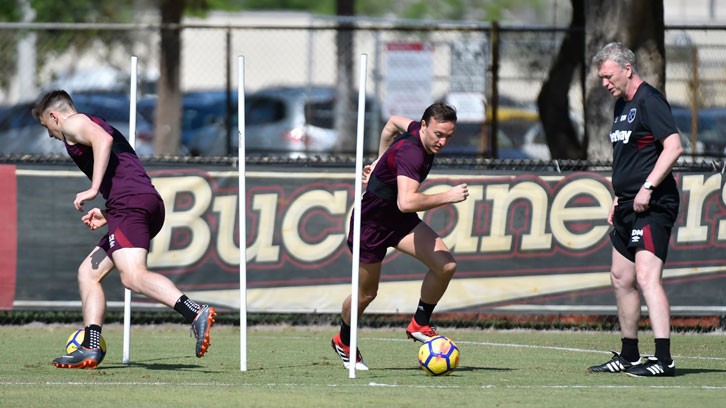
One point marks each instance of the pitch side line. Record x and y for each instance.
(576, 350)
(370, 384)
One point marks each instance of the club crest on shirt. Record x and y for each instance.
(631, 115)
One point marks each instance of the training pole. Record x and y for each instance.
(356, 216)
(241, 211)
(132, 142)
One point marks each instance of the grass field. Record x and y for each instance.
(294, 366)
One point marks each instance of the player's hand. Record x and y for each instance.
(95, 219)
(459, 193)
(642, 200)
(612, 211)
(82, 197)
(367, 170)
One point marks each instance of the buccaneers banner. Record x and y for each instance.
(523, 241)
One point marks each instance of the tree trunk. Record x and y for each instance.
(637, 24)
(553, 102)
(344, 107)
(167, 120)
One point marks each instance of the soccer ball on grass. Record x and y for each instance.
(76, 339)
(438, 356)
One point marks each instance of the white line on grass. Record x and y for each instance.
(484, 343)
(370, 384)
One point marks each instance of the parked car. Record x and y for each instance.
(514, 140)
(284, 121)
(20, 132)
(199, 110)
(711, 136)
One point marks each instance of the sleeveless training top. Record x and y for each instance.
(406, 157)
(125, 175)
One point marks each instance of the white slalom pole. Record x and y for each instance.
(132, 142)
(242, 211)
(356, 216)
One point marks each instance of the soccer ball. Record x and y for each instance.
(438, 356)
(76, 339)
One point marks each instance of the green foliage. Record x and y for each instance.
(481, 10)
(321, 6)
(83, 11)
(10, 11)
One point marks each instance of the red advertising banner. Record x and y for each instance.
(522, 241)
(8, 232)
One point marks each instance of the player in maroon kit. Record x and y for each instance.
(134, 214)
(389, 219)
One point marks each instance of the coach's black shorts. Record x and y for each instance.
(649, 230)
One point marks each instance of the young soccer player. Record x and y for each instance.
(389, 219)
(134, 214)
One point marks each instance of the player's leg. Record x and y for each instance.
(425, 245)
(132, 223)
(93, 302)
(649, 272)
(93, 269)
(369, 276)
(131, 263)
(622, 277)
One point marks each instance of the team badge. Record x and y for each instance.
(631, 115)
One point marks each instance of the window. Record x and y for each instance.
(262, 110)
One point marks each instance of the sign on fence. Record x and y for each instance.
(409, 77)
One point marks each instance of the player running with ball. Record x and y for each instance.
(389, 219)
(134, 214)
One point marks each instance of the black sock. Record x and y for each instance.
(423, 313)
(187, 307)
(344, 333)
(630, 349)
(663, 350)
(92, 337)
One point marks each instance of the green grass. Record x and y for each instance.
(294, 366)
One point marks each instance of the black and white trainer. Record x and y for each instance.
(653, 368)
(615, 365)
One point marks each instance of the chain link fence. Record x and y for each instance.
(409, 66)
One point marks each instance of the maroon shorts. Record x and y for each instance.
(375, 239)
(132, 222)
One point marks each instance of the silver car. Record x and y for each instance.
(293, 122)
(21, 133)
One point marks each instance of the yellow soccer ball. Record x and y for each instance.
(438, 356)
(76, 339)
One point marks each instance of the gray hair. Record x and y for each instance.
(616, 52)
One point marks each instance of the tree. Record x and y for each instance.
(637, 24)
(167, 116)
(344, 81)
(553, 102)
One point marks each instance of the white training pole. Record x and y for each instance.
(242, 197)
(356, 216)
(132, 142)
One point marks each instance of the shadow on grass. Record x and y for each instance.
(688, 371)
(161, 364)
(466, 368)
